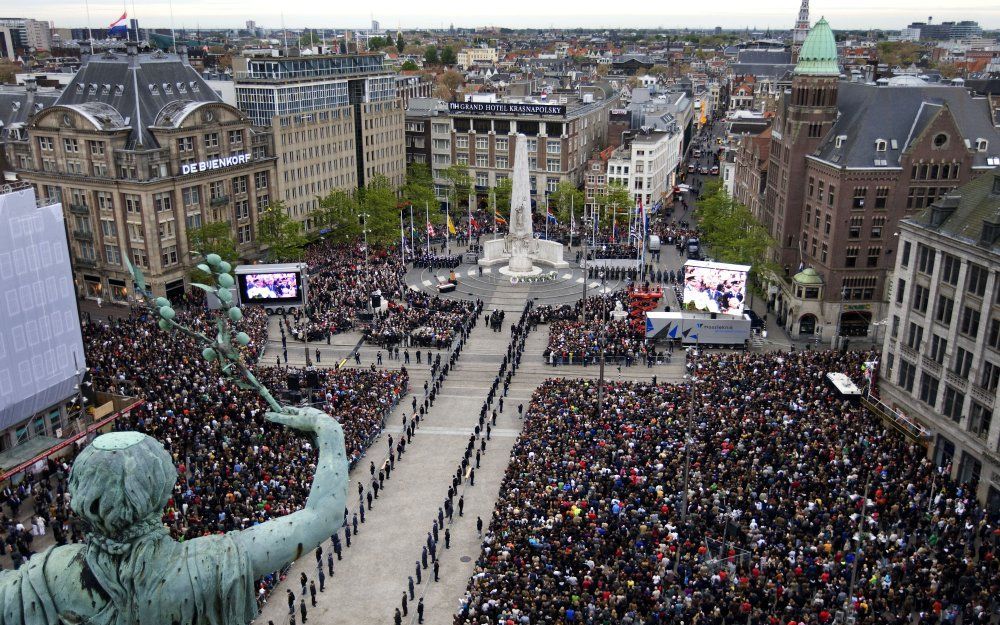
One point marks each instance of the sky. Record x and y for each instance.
(778, 14)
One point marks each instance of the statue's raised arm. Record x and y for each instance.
(277, 542)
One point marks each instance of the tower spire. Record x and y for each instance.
(801, 29)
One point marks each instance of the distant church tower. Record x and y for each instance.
(801, 30)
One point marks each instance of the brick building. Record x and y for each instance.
(847, 162)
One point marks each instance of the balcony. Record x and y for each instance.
(931, 365)
(982, 395)
(83, 235)
(79, 209)
(957, 381)
(222, 200)
(86, 263)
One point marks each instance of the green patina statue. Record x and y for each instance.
(129, 571)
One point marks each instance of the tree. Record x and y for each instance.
(409, 66)
(339, 213)
(377, 43)
(212, 238)
(451, 80)
(899, 53)
(419, 190)
(461, 185)
(380, 211)
(308, 39)
(431, 55)
(731, 232)
(280, 234)
(448, 56)
(400, 44)
(618, 201)
(566, 201)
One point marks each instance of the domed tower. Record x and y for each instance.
(804, 117)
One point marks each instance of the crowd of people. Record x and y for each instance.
(596, 305)
(801, 504)
(235, 468)
(424, 321)
(610, 249)
(341, 282)
(437, 261)
(579, 342)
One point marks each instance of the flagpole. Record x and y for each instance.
(470, 220)
(447, 226)
(427, 233)
(413, 246)
(402, 239)
(546, 217)
(572, 221)
(494, 215)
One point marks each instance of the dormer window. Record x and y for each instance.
(167, 89)
(881, 145)
(840, 140)
(982, 144)
(119, 89)
(153, 90)
(93, 88)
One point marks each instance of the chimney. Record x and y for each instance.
(182, 52)
(31, 87)
(85, 51)
(132, 50)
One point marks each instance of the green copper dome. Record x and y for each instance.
(818, 56)
(808, 276)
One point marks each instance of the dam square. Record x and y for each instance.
(640, 316)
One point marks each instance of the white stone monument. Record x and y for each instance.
(520, 249)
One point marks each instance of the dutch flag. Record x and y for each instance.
(119, 28)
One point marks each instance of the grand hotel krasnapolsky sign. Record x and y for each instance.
(506, 108)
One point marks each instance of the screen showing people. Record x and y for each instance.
(715, 287)
(265, 286)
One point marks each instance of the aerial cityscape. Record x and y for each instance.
(498, 316)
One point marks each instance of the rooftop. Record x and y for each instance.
(818, 56)
(969, 214)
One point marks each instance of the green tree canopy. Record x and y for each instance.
(339, 212)
(461, 185)
(212, 238)
(400, 44)
(566, 199)
(731, 232)
(419, 191)
(409, 66)
(380, 211)
(448, 56)
(617, 199)
(431, 55)
(280, 234)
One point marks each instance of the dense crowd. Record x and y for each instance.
(579, 342)
(235, 468)
(609, 249)
(340, 285)
(426, 321)
(797, 498)
(437, 261)
(596, 305)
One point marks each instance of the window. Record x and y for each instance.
(135, 232)
(829, 196)
(193, 221)
(239, 185)
(993, 336)
(953, 400)
(921, 295)
(980, 418)
(976, 283)
(826, 225)
(71, 146)
(211, 140)
(943, 310)
(963, 362)
(502, 162)
(482, 160)
(235, 138)
(244, 234)
(461, 141)
(878, 222)
(819, 190)
(950, 266)
(851, 258)
(260, 180)
(169, 256)
(500, 145)
(969, 325)
(133, 204)
(854, 227)
(217, 189)
(191, 196)
(109, 229)
(915, 336)
(900, 290)
(895, 326)
(113, 254)
(139, 256)
(45, 143)
(925, 259)
(874, 253)
(553, 147)
(907, 372)
(96, 148)
(905, 258)
(166, 229)
(881, 145)
(812, 184)
(989, 376)
(242, 209)
(881, 197)
(553, 164)
(928, 389)
(860, 193)
(939, 345)
(87, 250)
(163, 202)
(185, 144)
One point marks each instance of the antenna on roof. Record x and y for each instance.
(90, 34)
(284, 33)
(173, 34)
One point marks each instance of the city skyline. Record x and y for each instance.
(728, 14)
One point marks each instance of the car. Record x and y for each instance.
(703, 170)
(756, 323)
(715, 170)
(690, 169)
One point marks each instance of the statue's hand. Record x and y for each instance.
(306, 419)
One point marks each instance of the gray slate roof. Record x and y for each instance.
(776, 70)
(16, 106)
(869, 112)
(137, 87)
(765, 57)
(976, 201)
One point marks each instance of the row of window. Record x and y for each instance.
(953, 399)
(951, 265)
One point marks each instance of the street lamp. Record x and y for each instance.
(364, 233)
(583, 267)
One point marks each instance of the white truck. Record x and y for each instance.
(693, 328)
